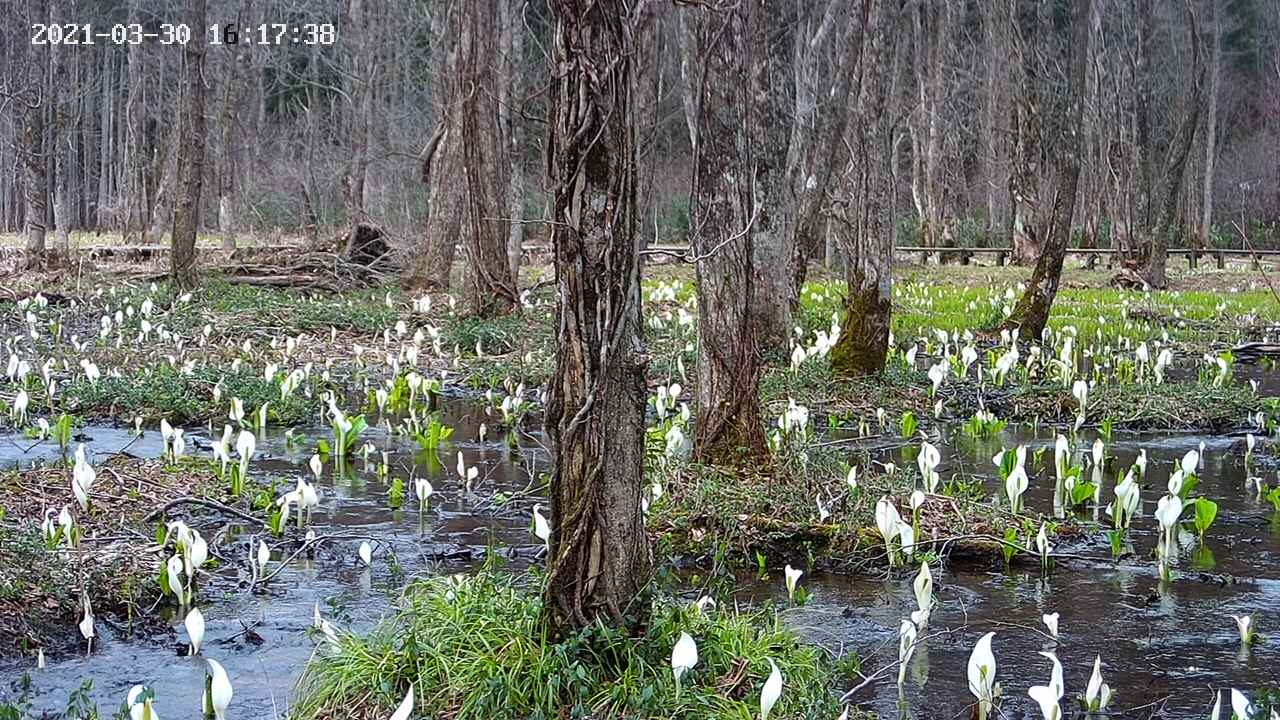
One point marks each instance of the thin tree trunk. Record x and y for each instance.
(1031, 313)
(1211, 131)
(106, 145)
(822, 112)
(59, 137)
(1175, 171)
(360, 84)
(511, 89)
(190, 142)
(720, 61)
(491, 289)
(229, 151)
(599, 557)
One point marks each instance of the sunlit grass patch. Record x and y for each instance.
(473, 647)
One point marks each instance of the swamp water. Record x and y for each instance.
(1162, 647)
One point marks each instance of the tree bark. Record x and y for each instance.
(1031, 313)
(862, 214)
(821, 114)
(59, 137)
(1175, 170)
(771, 97)
(930, 27)
(190, 142)
(491, 289)
(718, 64)
(1211, 130)
(511, 90)
(599, 556)
(32, 103)
(441, 168)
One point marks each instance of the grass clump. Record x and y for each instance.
(162, 391)
(1170, 405)
(473, 647)
(364, 311)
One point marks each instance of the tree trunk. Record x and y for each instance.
(59, 137)
(1175, 170)
(509, 102)
(822, 112)
(862, 215)
(723, 213)
(491, 289)
(771, 97)
(1031, 314)
(227, 166)
(190, 148)
(360, 82)
(106, 146)
(599, 556)
(1211, 131)
(441, 170)
(32, 104)
(930, 27)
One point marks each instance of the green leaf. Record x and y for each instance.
(1206, 513)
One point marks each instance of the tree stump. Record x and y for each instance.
(365, 245)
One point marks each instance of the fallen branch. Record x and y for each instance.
(211, 504)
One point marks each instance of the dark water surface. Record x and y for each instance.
(1161, 646)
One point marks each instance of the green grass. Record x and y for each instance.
(473, 649)
(363, 311)
(161, 391)
(1099, 314)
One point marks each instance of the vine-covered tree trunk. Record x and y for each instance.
(190, 148)
(862, 213)
(1031, 314)
(491, 289)
(599, 555)
(722, 213)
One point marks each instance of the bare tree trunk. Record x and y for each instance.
(822, 112)
(1211, 131)
(491, 289)
(32, 104)
(511, 88)
(930, 26)
(1031, 314)
(360, 82)
(862, 214)
(106, 145)
(59, 138)
(227, 165)
(599, 555)
(771, 100)
(441, 168)
(1175, 170)
(719, 62)
(190, 147)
